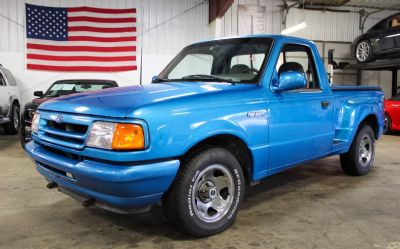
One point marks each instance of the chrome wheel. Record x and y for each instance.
(362, 51)
(213, 193)
(365, 151)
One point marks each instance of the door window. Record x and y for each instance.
(379, 26)
(303, 56)
(395, 22)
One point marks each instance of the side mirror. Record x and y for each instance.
(154, 79)
(289, 81)
(38, 94)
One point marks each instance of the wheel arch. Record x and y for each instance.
(372, 121)
(13, 101)
(233, 143)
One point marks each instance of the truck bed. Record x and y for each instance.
(355, 88)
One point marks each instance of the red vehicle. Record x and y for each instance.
(392, 114)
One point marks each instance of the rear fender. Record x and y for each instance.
(352, 113)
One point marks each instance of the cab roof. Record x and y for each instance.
(274, 37)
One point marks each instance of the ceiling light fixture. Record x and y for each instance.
(294, 28)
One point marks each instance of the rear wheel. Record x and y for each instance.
(363, 51)
(388, 124)
(360, 158)
(12, 127)
(207, 193)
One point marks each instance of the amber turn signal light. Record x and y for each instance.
(128, 137)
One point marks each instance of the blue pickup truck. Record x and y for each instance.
(223, 115)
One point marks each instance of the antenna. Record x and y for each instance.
(141, 50)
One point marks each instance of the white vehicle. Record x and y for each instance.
(9, 102)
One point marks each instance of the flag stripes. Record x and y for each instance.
(81, 39)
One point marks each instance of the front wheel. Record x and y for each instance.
(363, 51)
(206, 195)
(12, 127)
(360, 158)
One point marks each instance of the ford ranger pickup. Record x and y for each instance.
(223, 115)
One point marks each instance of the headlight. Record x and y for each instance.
(35, 123)
(116, 136)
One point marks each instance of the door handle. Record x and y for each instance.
(325, 103)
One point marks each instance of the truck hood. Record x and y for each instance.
(119, 102)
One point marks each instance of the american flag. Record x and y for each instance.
(80, 39)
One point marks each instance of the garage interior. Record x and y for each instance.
(314, 205)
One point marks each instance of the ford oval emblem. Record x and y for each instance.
(59, 118)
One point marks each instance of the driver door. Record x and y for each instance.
(390, 38)
(300, 121)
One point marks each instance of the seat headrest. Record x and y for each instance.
(291, 66)
(239, 68)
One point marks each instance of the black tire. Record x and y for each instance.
(186, 211)
(12, 127)
(358, 162)
(388, 125)
(363, 45)
(22, 132)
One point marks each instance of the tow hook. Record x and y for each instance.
(51, 185)
(88, 203)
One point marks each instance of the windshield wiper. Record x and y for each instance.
(206, 77)
(158, 80)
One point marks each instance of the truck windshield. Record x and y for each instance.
(238, 60)
(70, 87)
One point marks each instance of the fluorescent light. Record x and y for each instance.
(294, 28)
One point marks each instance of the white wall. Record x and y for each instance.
(332, 26)
(272, 21)
(168, 26)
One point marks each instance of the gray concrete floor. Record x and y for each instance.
(311, 206)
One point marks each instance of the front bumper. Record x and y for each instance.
(352, 50)
(121, 187)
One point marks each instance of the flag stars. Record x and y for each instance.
(47, 23)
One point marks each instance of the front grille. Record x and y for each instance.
(67, 127)
(70, 130)
(63, 138)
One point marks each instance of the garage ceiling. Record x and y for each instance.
(326, 2)
(380, 4)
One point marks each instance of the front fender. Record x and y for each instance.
(252, 131)
(202, 131)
